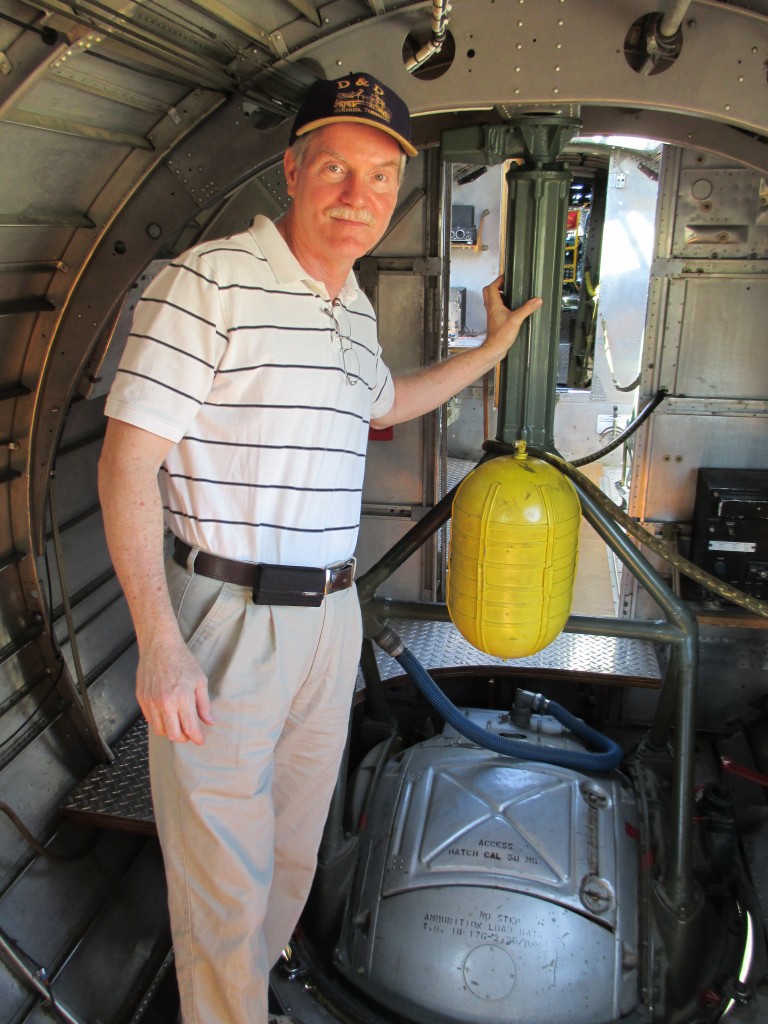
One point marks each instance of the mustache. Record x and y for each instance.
(361, 216)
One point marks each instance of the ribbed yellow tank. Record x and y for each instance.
(513, 552)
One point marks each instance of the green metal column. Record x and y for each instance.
(535, 254)
(538, 189)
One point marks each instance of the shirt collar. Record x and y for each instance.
(286, 267)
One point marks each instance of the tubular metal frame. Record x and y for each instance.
(677, 697)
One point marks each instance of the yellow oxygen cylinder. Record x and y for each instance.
(512, 560)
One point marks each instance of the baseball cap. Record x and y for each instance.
(358, 98)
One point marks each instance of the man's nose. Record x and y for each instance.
(354, 192)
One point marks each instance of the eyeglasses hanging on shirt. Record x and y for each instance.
(350, 361)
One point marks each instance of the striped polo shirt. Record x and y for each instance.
(267, 389)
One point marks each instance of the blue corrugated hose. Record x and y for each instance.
(610, 755)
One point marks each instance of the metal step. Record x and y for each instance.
(602, 659)
(117, 795)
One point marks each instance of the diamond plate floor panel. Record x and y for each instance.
(439, 645)
(117, 795)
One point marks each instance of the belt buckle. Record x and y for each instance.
(350, 564)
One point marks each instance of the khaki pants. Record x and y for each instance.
(240, 818)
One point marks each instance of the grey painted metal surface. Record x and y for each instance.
(135, 130)
(514, 881)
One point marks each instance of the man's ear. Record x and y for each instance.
(290, 169)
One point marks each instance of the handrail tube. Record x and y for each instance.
(681, 681)
(636, 562)
(408, 545)
(651, 630)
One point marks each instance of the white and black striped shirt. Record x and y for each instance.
(235, 356)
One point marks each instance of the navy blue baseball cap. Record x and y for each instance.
(360, 99)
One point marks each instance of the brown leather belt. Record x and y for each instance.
(270, 584)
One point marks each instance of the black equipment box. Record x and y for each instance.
(463, 230)
(729, 534)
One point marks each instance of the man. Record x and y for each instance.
(249, 382)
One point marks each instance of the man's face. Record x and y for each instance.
(344, 191)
